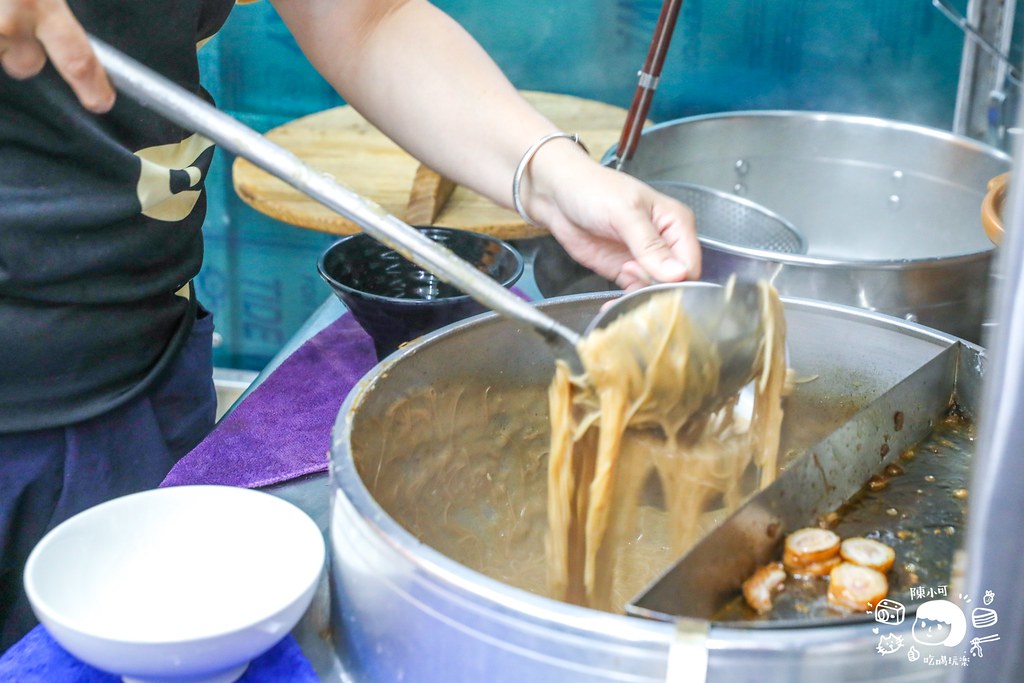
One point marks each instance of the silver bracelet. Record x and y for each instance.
(517, 179)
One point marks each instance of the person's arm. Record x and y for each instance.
(32, 30)
(423, 80)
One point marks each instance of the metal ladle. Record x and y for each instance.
(177, 104)
(730, 316)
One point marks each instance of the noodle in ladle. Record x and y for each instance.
(637, 410)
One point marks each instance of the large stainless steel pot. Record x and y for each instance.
(406, 611)
(891, 211)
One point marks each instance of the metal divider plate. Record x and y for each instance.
(813, 484)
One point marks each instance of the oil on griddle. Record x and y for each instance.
(917, 505)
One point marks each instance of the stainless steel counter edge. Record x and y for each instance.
(311, 494)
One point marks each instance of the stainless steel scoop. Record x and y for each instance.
(175, 103)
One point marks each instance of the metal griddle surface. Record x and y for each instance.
(914, 439)
(920, 512)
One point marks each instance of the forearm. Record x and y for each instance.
(426, 83)
(417, 75)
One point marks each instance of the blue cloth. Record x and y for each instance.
(49, 475)
(37, 658)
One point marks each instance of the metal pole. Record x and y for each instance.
(995, 545)
(177, 104)
(984, 108)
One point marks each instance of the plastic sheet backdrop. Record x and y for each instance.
(890, 59)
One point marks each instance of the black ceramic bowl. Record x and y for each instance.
(395, 300)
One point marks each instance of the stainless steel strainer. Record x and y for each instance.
(729, 220)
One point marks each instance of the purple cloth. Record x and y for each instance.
(37, 658)
(282, 429)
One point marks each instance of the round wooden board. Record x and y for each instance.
(343, 144)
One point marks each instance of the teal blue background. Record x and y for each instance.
(890, 58)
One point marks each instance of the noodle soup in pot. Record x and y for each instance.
(438, 514)
(465, 466)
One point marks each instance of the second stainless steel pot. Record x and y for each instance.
(890, 211)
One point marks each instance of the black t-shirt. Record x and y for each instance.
(100, 219)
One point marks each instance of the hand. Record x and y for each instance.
(32, 30)
(615, 225)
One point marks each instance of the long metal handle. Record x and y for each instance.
(177, 104)
(649, 76)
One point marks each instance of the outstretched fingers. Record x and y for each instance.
(661, 238)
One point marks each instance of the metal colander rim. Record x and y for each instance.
(747, 204)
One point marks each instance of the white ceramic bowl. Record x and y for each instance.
(184, 583)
